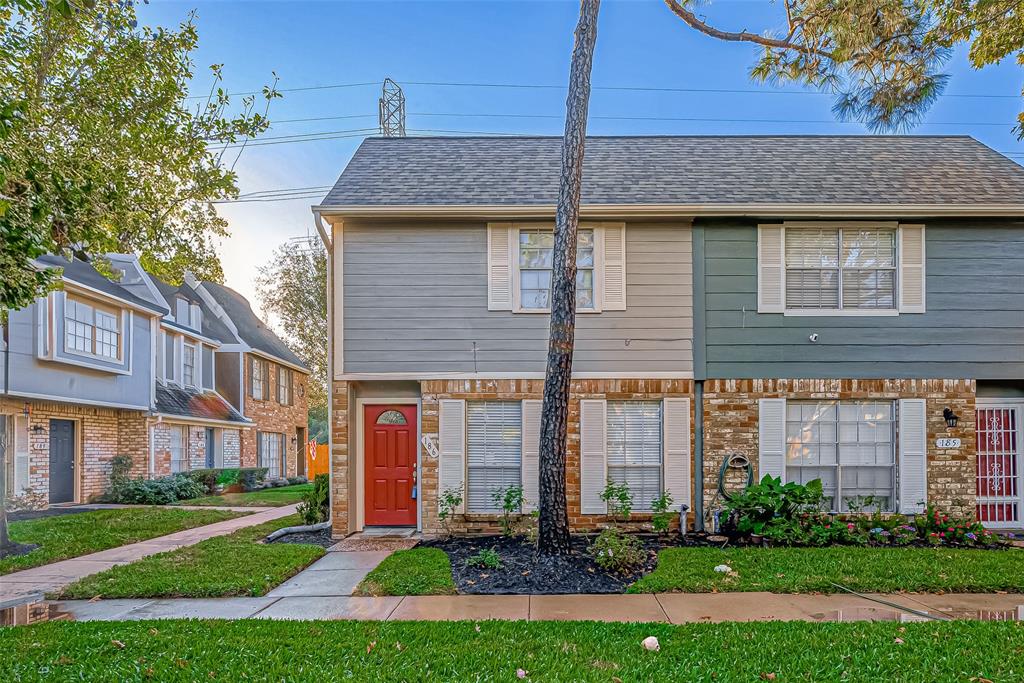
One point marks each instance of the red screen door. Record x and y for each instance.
(390, 444)
(999, 465)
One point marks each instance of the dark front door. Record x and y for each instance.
(62, 461)
(211, 448)
(301, 452)
(390, 444)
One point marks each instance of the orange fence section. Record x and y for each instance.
(318, 461)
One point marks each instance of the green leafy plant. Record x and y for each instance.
(485, 559)
(615, 551)
(753, 510)
(206, 477)
(661, 513)
(450, 501)
(161, 491)
(252, 478)
(510, 499)
(619, 500)
(227, 477)
(120, 469)
(315, 505)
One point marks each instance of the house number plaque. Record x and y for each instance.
(428, 444)
(947, 443)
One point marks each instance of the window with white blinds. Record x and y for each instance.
(494, 457)
(178, 447)
(840, 268)
(270, 451)
(635, 449)
(849, 446)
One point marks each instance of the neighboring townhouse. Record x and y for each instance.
(78, 382)
(822, 305)
(138, 367)
(262, 379)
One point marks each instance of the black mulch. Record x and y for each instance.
(321, 538)
(49, 512)
(523, 572)
(17, 550)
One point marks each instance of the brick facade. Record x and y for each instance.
(340, 462)
(196, 439)
(271, 416)
(731, 425)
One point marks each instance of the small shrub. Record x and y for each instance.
(751, 511)
(450, 501)
(120, 469)
(615, 551)
(162, 491)
(485, 559)
(619, 500)
(251, 478)
(315, 504)
(661, 509)
(227, 477)
(28, 499)
(292, 481)
(510, 499)
(207, 478)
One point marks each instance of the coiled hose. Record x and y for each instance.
(734, 461)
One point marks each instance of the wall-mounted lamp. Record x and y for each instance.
(37, 429)
(295, 440)
(950, 417)
(26, 409)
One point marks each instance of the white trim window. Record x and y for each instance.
(270, 453)
(494, 455)
(840, 268)
(635, 449)
(284, 385)
(258, 386)
(534, 269)
(91, 330)
(178, 447)
(189, 365)
(850, 446)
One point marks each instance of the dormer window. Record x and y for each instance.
(181, 311)
(195, 317)
(92, 330)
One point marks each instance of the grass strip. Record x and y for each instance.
(277, 497)
(417, 571)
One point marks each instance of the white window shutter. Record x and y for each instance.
(613, 272)
(771, 456)
(21, 454)
(771, 269)
(912, 263)
(593, 455)
(499, 266)
(913, 456)
(531, 454)
(676, 430)
(451, 426)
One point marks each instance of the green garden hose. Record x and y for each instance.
(736, 461)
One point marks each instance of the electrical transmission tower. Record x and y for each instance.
(392, 110)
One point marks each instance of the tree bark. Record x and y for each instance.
(553, 530)
(5, 540)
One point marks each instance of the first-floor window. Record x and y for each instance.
(635, 449)
(14, 435)
(850, 446)
(270, 453)
(179, 448)
(494, 431)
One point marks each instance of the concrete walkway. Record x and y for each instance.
(52, 577)
(675, 608)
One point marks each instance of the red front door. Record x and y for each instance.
(390, 444)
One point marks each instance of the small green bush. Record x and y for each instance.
(510, 499)
(450, 501)
(619, 500)
(228, 476)
(251, 478)
(615, 551)
(207, 478)
(661, 513)
(162, 491)
(315, 503)
(485, 559)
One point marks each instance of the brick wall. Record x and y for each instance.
(340, 462)
(731, 426)
(270, 416)
(232, 444)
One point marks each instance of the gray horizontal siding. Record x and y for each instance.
(415, 301)
(973, 327)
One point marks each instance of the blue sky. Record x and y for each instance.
(640, 44)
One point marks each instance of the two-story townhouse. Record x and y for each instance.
(821, 305)
(78, 381)
(262, 379)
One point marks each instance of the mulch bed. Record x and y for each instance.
(17, 550)
(321, 538)
(23, 515)
(524, 572)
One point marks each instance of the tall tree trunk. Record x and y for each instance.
(553, 532)
(5, 540)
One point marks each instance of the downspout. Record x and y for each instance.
(700, 371)
(325, 238)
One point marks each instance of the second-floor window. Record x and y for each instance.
(284, 386)
(92, 330)
(840, 268)
(190, 365)
(259, 382)
(536, 257)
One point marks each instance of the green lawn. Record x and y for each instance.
(493, 651)
(64, 536)
(806, 570)
(285, 495)
(417, 571)
(236, 564)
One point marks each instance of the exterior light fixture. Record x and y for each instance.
(950, 417)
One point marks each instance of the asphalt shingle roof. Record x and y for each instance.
(83, 273)
(869, 170)
(190, 402)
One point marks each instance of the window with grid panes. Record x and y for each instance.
(536, 257)
(91, 330)
(840, 268)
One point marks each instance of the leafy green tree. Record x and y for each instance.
(101, 147)
(883, 59)
(292, 287)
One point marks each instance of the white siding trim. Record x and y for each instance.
(771, 442)
(451, 427)
(913, 455)
(20, 441)
(500, 266)
(676, 443)
(593, 455)
(338, 299)
(910, 253)
(531, 453)
(771, 269)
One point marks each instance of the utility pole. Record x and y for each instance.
(392, 110)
